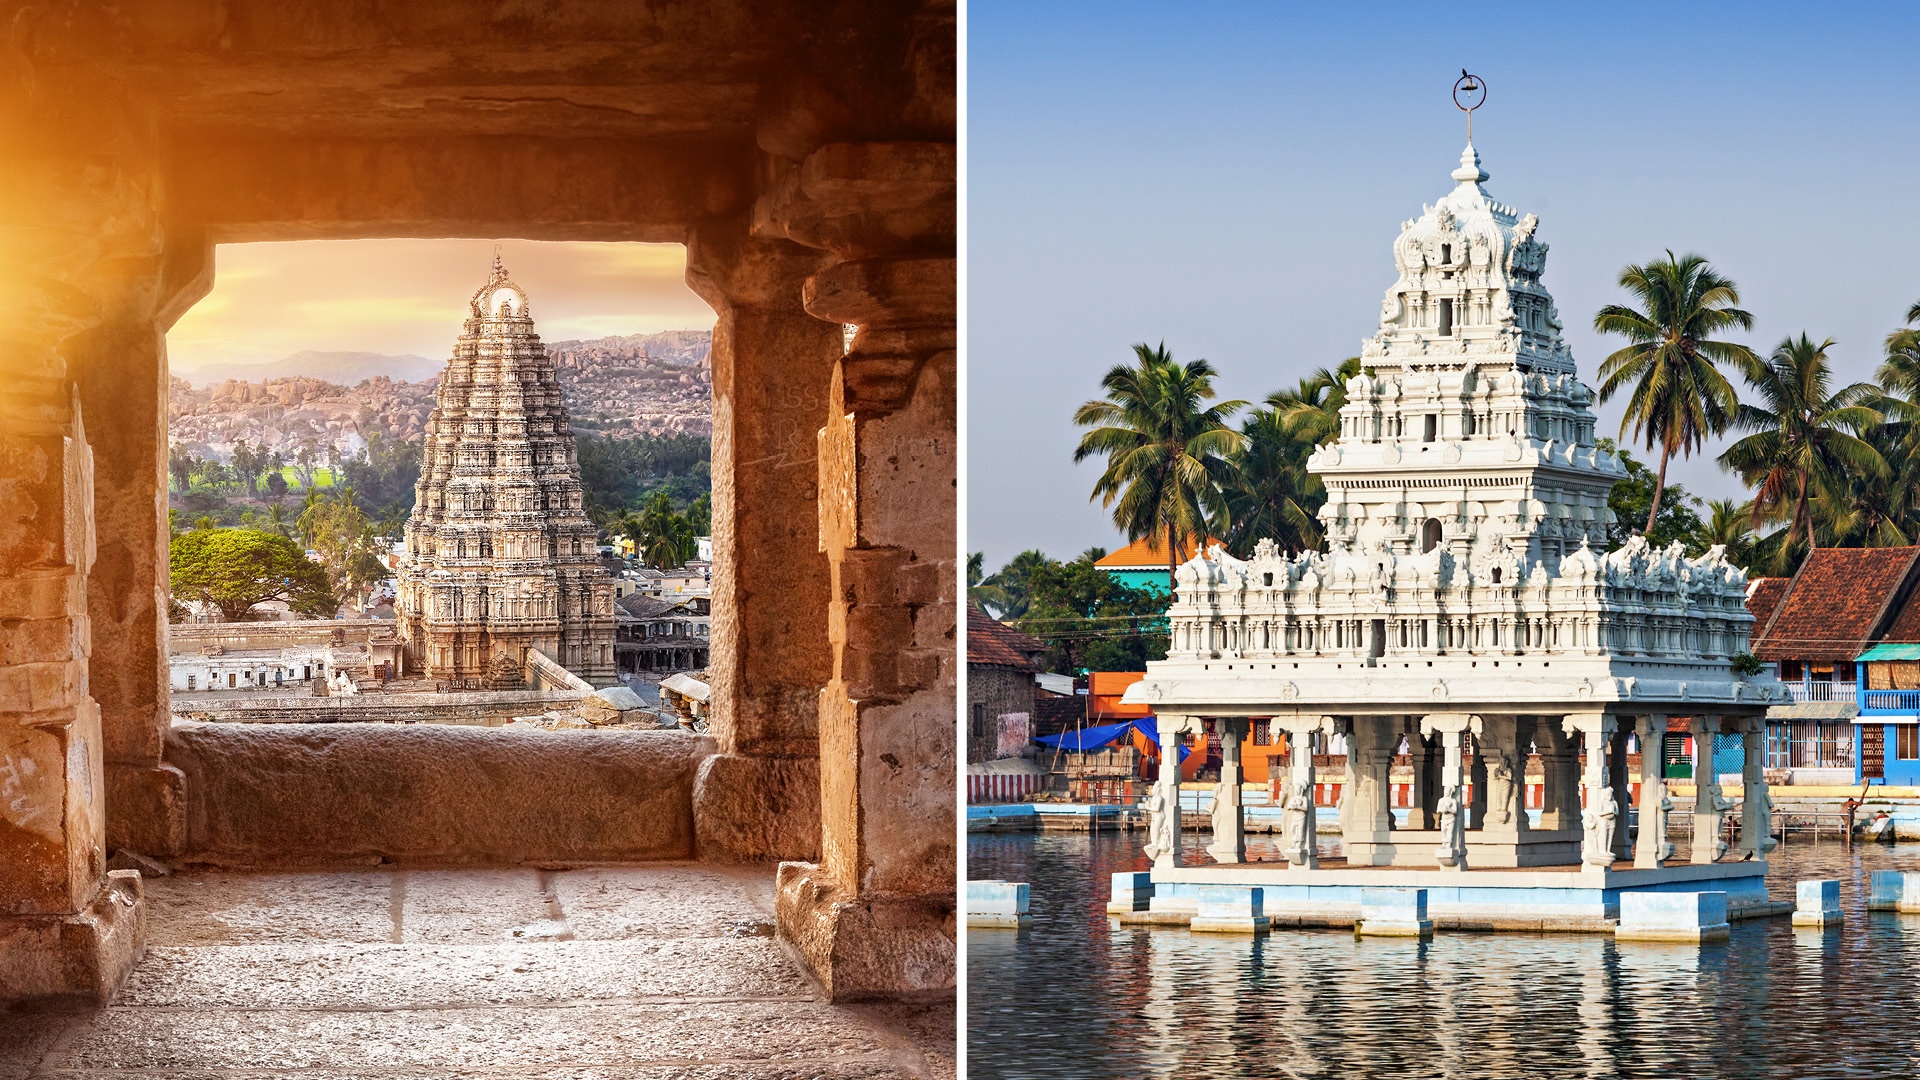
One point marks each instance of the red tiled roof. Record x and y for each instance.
(1146, 552)
(1836, 602)
(996, 644)
(1763, 595)
(1906, 624)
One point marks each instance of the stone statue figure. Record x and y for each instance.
(1663, 847)
(1500, 782)
(1762, 804)
(1163, 825)
(1709, 815)
(1453, 840)
(1296, 839)
(1597, 819)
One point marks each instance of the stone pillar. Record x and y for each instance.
(1652, 848)
(1476, 784)
(1560, 765)
(1299, 842)
(1163, 807)
(759, 797)
(1603, 809)
(1229, 820)
(1709, 805)
(1503, 749)
(1424, 753)
(1366, 799)
(1451, 806)
(1756, 806)
(1622, 846)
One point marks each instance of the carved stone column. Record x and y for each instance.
(1622, 846)
(1560, 766)
(1424, 753)
(1299, 843)
(1229, 820)
(1366, 798)
(1503, 748)
(1756, 806)
(1652, 848)
(1596, 731)
(1476, 783)
(1451, 806)
(1709, 805)
(1163, 805)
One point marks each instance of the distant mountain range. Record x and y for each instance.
(339, 368)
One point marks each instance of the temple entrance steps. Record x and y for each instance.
(656, 970)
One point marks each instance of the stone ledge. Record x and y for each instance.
(86, 956)
(264, 795)
(146, 808)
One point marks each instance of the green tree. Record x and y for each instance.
(1802, 437)
(1729, 525)
(1633, 496)
(1014, 581)
(1166, 450)
(235, 569)
(337, 530)
(1092, 622)
(980, 593)
(181, 465)
(1269, 493)
(1679, 398)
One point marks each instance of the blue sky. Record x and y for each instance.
(1230, 178)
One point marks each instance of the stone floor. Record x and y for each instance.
(652, 972)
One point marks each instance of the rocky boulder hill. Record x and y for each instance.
(624, 386)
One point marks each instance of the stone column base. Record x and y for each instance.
(868, 948)
(757, 808)
(146, 809)
(86, 956)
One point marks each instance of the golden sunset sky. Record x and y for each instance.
(410, 296)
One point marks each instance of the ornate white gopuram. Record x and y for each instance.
(1466, 603)
(500, 555)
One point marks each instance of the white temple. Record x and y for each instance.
(1466, 601)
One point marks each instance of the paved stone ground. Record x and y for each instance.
(651, 972)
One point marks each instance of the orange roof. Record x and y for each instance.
(1146, 553)
(1103, 695)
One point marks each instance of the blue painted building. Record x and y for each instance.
(1888, 697)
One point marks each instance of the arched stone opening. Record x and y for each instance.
(806, 158)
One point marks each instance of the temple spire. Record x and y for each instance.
(1470, 171)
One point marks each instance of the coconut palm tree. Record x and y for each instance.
(1678, 397)
(1310, 414)
(1269, 493)
(1802, 440)
(1015, 582)
(1166, 450)
(981, 594)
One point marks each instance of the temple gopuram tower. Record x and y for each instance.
(500, 556)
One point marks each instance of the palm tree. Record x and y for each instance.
(277, 518)
(1166, 451)
(1802, 439)
(980, 593)
(1679, 397)
(1310, 414)
(1270, 494)
(1729, 525)
(1014, 581)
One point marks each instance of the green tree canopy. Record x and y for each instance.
(234, 569)
(1090, 621)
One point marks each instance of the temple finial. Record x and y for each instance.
(1470, 171)
(499, 268)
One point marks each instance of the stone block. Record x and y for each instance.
(85, 956)
(998, 904)
(1816, 902)
(1394, 913)
(146, 809)
(1673, 916)
(1132, 891)
(1231, 909)
(749, 808)
(1885, 888)
(868, 948)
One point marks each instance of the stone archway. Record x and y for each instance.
(803, 153)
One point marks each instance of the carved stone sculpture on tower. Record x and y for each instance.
(500, 556)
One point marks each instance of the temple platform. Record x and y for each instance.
(1550, 899)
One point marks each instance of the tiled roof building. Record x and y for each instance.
(1835, 606)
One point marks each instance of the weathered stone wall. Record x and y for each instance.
(192, 637)
(330, 795)
(999, 692)
(466, 707)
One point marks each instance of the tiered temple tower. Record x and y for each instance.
(500, 556)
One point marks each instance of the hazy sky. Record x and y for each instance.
(1230, 178)
(410, 296)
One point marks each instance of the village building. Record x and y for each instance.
(1001, 691)
(1143, 563)
(215, 668)
(501, 559)
(656, 634)
(1466, 604)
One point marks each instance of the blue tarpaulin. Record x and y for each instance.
(1102, 736)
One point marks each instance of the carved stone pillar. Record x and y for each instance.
(1229, 820)
(1300, 835)
(1476, 783)
(1652, 849)
(1622, 845)
(1503, 748)
(1424, 752)
(1451, 807)
(1163, 805)
(1366, 798)
(1596, 731)
(759, 797)
(1560, 766)
(1709, 805)
(1756, 806)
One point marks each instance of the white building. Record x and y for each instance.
(215, 668)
